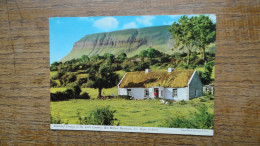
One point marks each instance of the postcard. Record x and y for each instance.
(149, 74)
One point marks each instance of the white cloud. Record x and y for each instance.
(106, 24)
(129, 25)
(145, 20)
(168, 23)
(86, 19)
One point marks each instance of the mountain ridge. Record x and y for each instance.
(129, 41)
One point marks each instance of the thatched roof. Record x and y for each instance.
(140, 79)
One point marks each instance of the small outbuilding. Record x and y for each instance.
(173, 84)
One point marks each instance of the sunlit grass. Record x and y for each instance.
(145, 113)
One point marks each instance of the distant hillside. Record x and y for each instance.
(129, 41)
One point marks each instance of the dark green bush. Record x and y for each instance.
(53, 83)
(69, 93)
(178, 122)
(84, 95)
(183, 102)
(199, 120)
(82, 81)
(59, 96)
(76, 89)
(203, 100)
(100, 116)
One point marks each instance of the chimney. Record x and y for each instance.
(170, 69)
(147, 70)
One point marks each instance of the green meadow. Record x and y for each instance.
(142, 113)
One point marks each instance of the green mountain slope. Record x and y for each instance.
(129, 41)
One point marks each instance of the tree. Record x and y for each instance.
(205, 75)
(54, 66)
(143, 54)
(204, 32)
(84, 58)
(152, 53)
(103, 78)
(183, 33)
(122, 56)
(109, 57)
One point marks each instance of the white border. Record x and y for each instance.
(183, 131)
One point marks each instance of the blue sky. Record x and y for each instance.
(65, 31)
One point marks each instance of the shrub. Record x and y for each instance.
(164, 59)
(200, 120)
(58, 75)
(116, 67)
(56, 120)
(178, 122)
(61, 96)
(82, 81)
(206, 93)
(203, 100)
(76, 89)
(69, 93)
(183, 102)
(84, 95)
(204, 120)
(100, 116)
(210, 97)
(58, 96)
(53, 83)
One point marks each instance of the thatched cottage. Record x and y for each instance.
(173, 84)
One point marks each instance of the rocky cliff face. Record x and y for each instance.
(130, 41)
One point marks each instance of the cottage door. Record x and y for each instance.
(156, 92)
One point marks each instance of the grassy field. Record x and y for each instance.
(145, 113)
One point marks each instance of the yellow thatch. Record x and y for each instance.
(175, 79)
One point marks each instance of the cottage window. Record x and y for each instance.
(196, 92)
(129, 92)
(162, 93)
(174, 93)
(146, 92)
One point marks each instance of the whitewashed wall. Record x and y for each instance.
(182, 94)
(122, 91)
(137, 93)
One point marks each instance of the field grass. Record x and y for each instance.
(82, 76)
(60, 89)
(144, 113)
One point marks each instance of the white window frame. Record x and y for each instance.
(129, 92)
(174, 94)
(145, 92)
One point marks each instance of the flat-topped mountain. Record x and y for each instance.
(129, 41)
